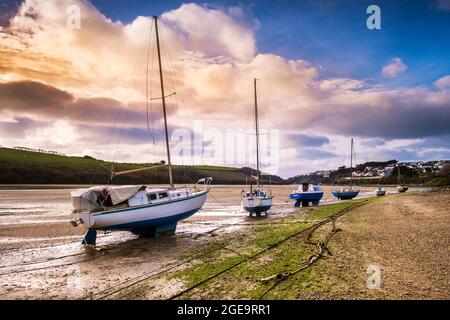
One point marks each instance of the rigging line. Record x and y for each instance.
(127, 108)
(223, 205)
(171, 64)
(173, 60)
(155, 141)
(146, 84)
(117, 117)
(173, 78)
(130, 82)
(140, 62)
(170, 73)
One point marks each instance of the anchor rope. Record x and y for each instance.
(322, 247)
(270, 247)
(223, 205)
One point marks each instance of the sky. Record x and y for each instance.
(78, 86)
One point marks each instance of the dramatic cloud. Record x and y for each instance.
(67, 89)
(443, 83)
(219, 38)
(309, 141)
(19, 127)
(394, 68)
(44, 101)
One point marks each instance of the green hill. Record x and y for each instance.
(27, 167)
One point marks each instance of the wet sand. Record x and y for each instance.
(42, 258)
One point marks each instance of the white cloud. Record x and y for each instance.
(394, 68)
(443, 83)
(214, 59)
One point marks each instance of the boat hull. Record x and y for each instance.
(257, 205)
(145, 217)
(345, 195)
(380, 193)
(304, 198)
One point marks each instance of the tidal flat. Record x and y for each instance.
(217, 252)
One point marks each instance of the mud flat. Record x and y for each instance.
(404, 236)
(221, 253)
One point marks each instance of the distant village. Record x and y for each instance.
(386, 169)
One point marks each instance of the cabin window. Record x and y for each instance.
(163, 195)
(152, 196)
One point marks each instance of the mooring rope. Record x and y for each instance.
(322, 247)
(223, 205)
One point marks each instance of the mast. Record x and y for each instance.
(257, 131)
(163, 102)
(351, 163)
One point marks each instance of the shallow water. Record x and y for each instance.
(45, 206)
(41, 254)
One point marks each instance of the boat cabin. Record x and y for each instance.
(308, 187)
(160, 195)
(255, 193)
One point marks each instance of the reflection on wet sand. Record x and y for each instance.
(41, 254)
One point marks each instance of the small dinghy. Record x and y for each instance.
(347, 192)
(380, 191)
(305, 194)
(402, 188)
(256, 200)
(135, 208)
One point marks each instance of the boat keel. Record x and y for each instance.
(156, 231)
(90, 237)
(305, 203)
(165, 229)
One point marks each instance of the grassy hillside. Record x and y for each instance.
(25, 167)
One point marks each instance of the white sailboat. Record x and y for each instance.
(135, 208)
(380, 191)
(256, 200)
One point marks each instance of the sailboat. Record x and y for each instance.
(380, 191)
(138, 209)
(347, 192)
(400, 187)
(305, 194)
(256, 200)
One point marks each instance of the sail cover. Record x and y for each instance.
(121, 193)
(86, 199)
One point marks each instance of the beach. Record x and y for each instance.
(406, 234)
